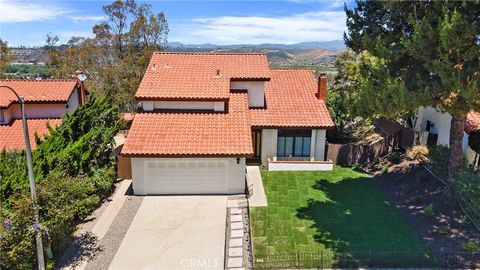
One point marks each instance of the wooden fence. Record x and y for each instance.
(352, 153)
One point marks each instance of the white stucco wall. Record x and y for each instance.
(269, 144)
(235, 174)
(320, 140)
(256, 92)
(470, 154)
(442, 123)
(147, 105)
(184, 105)
(279, 166)
(36, 111)
(7, 115)
(73, 102)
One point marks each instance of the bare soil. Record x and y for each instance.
(411, 190)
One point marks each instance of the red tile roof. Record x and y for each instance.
(36, 91)
(11, 135)
(198, 75)
(291, 102)
(192, 134)
(473, 122)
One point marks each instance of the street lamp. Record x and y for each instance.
(28, 150)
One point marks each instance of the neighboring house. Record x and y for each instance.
(432, 127)
(45, 101)
(205, 115)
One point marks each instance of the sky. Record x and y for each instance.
(191, 22)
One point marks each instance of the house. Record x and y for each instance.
(45, 101)
(205, 115)
(432, 127)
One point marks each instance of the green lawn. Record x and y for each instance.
(340, 210)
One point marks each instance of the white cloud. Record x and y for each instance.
(66, 35)
(311, 26)
(81, 19)
(21, 11)
(328, 3)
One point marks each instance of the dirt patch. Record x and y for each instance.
(425, 204)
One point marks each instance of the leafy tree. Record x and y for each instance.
(340, 95)
(74, 171)
(118, 54)
(418, 53)
(6, 57)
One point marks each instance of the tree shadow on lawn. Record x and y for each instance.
(357, 219)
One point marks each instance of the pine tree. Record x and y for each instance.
(420, 53)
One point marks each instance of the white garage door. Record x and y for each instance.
(186, 177)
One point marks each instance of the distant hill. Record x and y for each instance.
(315, 55)
(334, 45)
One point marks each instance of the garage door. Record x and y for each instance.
(186, 177)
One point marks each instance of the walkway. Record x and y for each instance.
(254, 182)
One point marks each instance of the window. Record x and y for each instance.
(2, 116)
(294, 143)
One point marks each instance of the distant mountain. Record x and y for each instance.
(334, 45)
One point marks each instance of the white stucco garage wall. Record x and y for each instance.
(235, 173)
(256, 92)
(269, 144)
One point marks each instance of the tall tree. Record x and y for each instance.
(421, 53)
(118, 54)
(6, 57)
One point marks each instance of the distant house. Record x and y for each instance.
(432, 127)
(205, 115)
(45, 101)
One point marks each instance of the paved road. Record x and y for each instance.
(175, 232)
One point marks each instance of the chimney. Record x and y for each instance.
(82, 92)
(322, 87)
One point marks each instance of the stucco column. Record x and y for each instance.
(269, 144)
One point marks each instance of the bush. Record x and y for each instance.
(429, 211)
(395, 157)
(385, 168)
(438, 156)
(74, 171)
(62, 200)
(418, 153)
(471, 246)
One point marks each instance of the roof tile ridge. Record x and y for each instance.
(209, 53)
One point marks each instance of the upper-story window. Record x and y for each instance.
(2, 116)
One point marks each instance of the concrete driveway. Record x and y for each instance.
(175, 232)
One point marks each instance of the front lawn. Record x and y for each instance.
(337, 211)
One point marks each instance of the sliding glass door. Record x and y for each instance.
(294, 142)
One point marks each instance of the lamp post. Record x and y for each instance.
(28, 150)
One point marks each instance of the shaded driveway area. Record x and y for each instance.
(175, 232)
